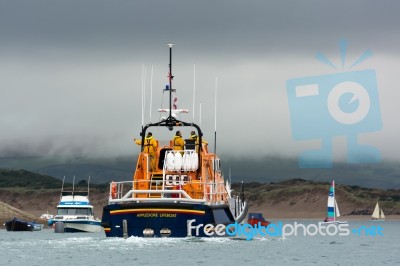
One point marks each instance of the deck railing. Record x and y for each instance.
(128, 191)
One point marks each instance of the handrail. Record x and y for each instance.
(212, 192)
(129, 196)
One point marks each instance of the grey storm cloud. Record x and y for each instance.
(71, 71)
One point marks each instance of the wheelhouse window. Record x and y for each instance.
(74, 211)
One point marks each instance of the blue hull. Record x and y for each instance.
(162, 219)
(19, 225)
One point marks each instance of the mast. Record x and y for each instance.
(62, 186)
(88, 186)
(170, 122)
(331, 215)
(215, 129)
(334, 199)
(194, 87)
(170, 77)
(142, 95)
(151, 90)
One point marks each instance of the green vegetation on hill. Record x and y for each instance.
(23, 178)
(26, 179)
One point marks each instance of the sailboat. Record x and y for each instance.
(333, 209)
(378, 214)
(184, 188)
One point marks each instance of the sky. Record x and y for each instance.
(72, 72)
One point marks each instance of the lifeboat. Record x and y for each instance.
(186, 189)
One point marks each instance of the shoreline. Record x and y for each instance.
(395, 218)
(304, 216)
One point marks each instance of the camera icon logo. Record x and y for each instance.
(339, 104)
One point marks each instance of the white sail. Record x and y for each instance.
(333, 208)
(375, 214)
(382, 215)
(337, 209)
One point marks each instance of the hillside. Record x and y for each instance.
(22, 178)
(263, 169)
(30, 194)
(7, 212)
(290, 199)
(298, 198)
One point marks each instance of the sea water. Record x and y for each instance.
(48, 248)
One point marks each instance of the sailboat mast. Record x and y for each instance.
(331, 203)
(334, 198)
